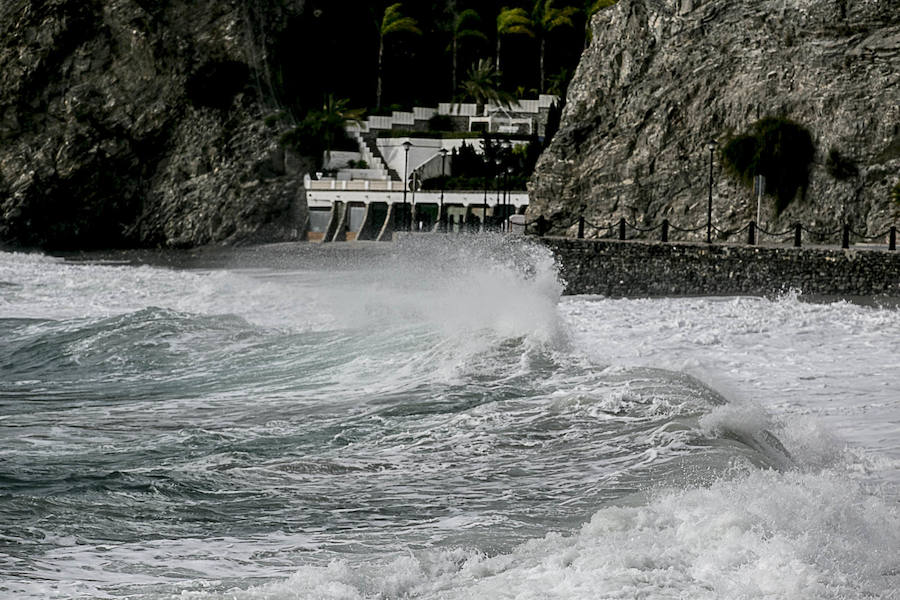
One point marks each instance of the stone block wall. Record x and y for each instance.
(640, 269)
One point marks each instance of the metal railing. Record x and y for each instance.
(619, 230)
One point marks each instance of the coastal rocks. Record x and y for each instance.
(128, 122)
(662, 78)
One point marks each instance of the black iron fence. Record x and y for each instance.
(754, 233)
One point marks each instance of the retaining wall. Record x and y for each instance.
(638, 268)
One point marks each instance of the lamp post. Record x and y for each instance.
(506, 147)
(414, 182)
(508, 199)
(498, 162)
(712, 148)
(487, 170)
(406, 146)
(442, 218)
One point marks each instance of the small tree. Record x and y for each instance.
(322, 131)
(482, 85)
(465, 27)
(839, 166)
(511, 21)
(392, 22)
(777, 148)
(545, 19)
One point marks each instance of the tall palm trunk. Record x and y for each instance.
(543, 49)
(378, 84)
(498, 53)
(453, 91)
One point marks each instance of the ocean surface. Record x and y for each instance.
(433, 419)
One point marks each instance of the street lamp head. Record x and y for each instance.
(443, 152)
(407, 145)
(711, 145)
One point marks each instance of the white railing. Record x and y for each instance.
(403, 118)
(349, 184)
(423, 114)
(420, 113)
(526, 106)
(380, 122)
(349, 192)
(457, 110)
(503, 124)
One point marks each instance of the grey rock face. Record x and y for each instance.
(663, 77)
(136, 122)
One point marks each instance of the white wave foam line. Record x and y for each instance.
(838, 362)
(764, 535)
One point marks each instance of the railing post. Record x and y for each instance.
(798, 229)
(622, 228)
(751, 233)
(845, 239)
(665, 230)
(581, 227)
(892, 239)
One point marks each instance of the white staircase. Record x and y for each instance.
(376, 171)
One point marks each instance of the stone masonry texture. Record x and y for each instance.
(639, 269)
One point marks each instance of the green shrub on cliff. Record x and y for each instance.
(216, 83)
(895, 193)
(777, 148)
(839, 166)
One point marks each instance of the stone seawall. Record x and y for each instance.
(637, 269)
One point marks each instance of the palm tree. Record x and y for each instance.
(546, 18)
(392, 22)
(512, 21)
(482, 85)
(557, 83)
(320, 131)
(464, 27)
(333, 119)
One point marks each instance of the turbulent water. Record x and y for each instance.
(431, 419)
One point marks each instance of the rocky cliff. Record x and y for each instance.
(141, 122)
(663, 77)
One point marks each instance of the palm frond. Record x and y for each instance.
(467, 19)
(482, 85)
(594, 6)
(552, 18)
(514, 21)
(395, 22)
